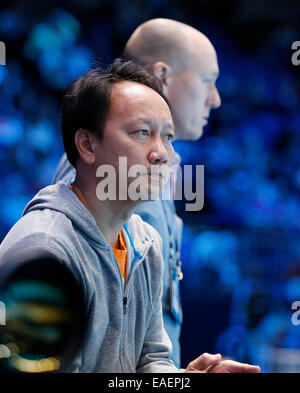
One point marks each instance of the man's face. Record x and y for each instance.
(192, 93)
(139, 127)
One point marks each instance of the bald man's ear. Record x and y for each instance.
(85, 142)
(161, 71)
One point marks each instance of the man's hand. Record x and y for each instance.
(203, 362)
(207, 363)
(230, 366)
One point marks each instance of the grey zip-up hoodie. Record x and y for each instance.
(125, 326)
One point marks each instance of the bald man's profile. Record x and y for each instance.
(185, 62)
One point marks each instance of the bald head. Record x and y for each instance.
(166, 40)
(185, 62)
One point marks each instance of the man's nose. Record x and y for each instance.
(214, 99)
(158, 153)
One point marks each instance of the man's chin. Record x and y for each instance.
(190, 134)
(154, 191)
(150, 191)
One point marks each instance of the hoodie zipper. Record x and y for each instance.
(125, 304)
(125, 300)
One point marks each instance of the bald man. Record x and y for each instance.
(185, 62)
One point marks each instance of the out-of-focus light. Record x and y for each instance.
(220, 155)
(292, 289)
(233, 341)
(42, 135)
(3, 73)
(272, 326)
(63, 66)
(12, 85)
(12, 24)
(35, 366)
(12, 208)
(297, 178)
(51, 61)
(268, 195)
(59, 31)
(4, 351)
(15, 182)
(78, 61)
(287, 94)
(11, 131)
(212, 246)
(43, 314)
(230, 274)
(240, 181)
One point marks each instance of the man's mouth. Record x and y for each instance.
(158, 177)
(155, 176)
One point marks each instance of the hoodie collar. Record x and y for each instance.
(59, 197)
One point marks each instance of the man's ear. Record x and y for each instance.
(161, 71)
(84, 141)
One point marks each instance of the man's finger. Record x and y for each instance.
(249, 368)
(203, 362)
(230, 366)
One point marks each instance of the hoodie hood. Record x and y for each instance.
(60, 198)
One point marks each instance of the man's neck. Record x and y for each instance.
(110, 216)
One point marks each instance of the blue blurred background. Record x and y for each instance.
(241, 253)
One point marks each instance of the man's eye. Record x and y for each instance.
(142, 132)
(170, 137)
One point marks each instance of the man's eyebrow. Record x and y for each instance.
(152, 123)
(215, 74)
(165, 126)
(168, 126)
(212, 75)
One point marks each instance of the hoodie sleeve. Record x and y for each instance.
(155, 355)
(157, 346)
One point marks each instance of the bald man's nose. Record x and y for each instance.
(214, 99)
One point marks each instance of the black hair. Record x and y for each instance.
(87, 100)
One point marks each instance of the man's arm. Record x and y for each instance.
(154, 356)
(157, 346)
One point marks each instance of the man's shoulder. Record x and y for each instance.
(37, 229)
(44, 222)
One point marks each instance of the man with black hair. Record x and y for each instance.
(185, 62)
(114, 256)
